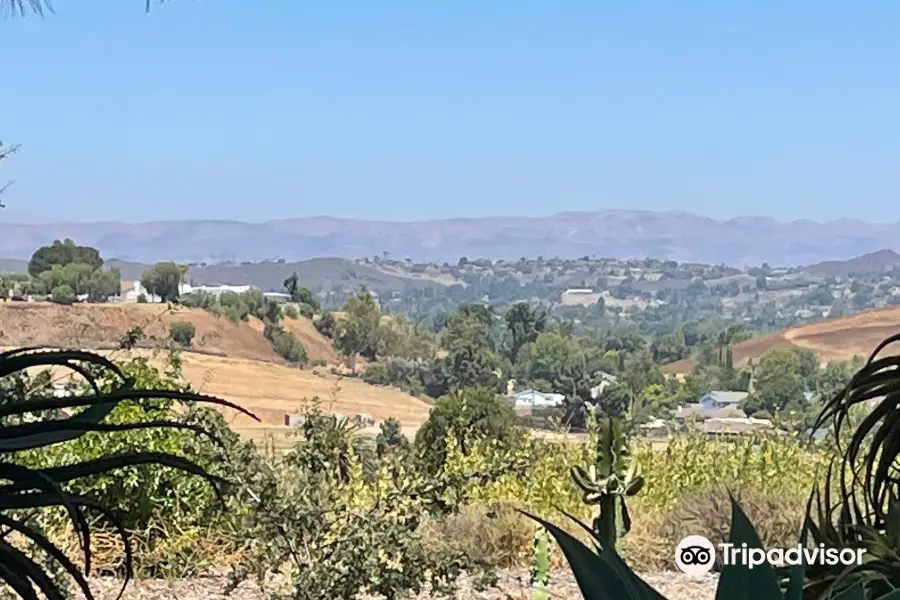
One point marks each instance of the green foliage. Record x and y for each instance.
(468, 415)
(356, 535)
(325, 323)
(778, 382)
(62, 294)
(358, 333)
(163, 280)
(63, 253)
(182, 332)
(62, 463)
(523, 323)
(299, 294)
(285, 344)
(290, 311)
(390, 438)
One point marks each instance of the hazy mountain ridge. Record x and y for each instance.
(614, 233)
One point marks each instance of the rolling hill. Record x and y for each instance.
(270, 275)
(230, 360)
(674, 235)
(835, 339)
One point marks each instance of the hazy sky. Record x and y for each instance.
(412, 110)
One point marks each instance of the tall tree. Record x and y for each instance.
(358, 332)
(63, 253)
(524, 323)
(164, 280)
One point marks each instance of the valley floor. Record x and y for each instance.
(513, 585)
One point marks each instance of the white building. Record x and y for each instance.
(536, 398)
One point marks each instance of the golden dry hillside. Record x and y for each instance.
(836, 339)
(234, 361)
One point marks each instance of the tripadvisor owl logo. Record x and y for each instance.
(695, 555)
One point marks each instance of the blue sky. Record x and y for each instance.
(414, 110)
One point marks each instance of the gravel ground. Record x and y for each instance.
(512, 586)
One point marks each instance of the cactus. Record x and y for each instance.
(540, 565)
(614, 475)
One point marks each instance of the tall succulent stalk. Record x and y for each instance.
(613, 476)
(540, 565)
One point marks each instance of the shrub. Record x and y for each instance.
(493, 536)
(390, 438)
(290, 311)
(325, 323)
(469, 415)
(142, 298)
(285, 344)
(62, 294)
(182, 332)
(306, 310)
(376, 374)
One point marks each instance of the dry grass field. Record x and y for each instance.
(837, 339)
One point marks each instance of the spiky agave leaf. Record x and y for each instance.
(857, 504)
(27, 488)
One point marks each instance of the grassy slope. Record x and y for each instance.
(837, 339)
(234, 360)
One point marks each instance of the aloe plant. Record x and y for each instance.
(614, 475)
(601, 573)
(29, 422)
(540, 565)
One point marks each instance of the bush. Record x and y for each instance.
(290, 311)
(325, 324)
(182, 332)
(469, 416)
(285, 344)
(492, 536)
(142, 298)
(306, 310)
(376, 374)
(62, 294)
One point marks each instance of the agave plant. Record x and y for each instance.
(29, 422)
(858, 504)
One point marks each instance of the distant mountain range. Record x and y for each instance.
(612, 233)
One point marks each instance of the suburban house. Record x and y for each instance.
(218, 290)
(717, 400)
(279, 297)
(132, 290)
(534, 398)
(714, 405)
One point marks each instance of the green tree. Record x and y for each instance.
(778, 382)
(163, 280)
(390, 438)
(470, 415)
(524, 323)
(62, 294)
(103, 284)
(63, 253)
(358, 332)
(182, 332)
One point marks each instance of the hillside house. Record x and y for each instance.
(279, 297)
(534, 398)
(218, 290)
(132, 290)
(719, 399)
